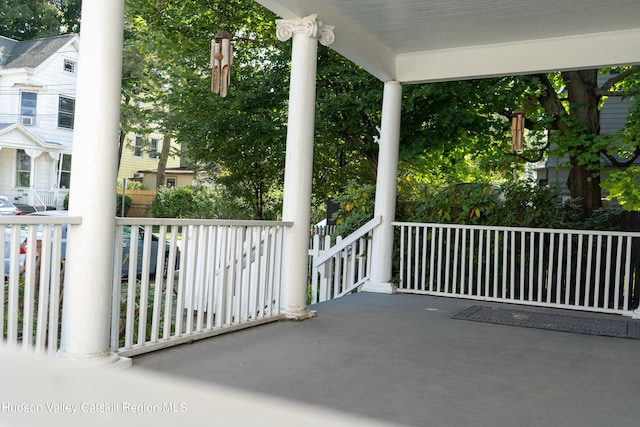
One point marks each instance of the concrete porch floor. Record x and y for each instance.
(402, 359)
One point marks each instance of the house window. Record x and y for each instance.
(28, 101)
(69, 66)
(171, 182)
(23, 169)
(66, 112)
(153, 148)
(138, 146)
(64, 171)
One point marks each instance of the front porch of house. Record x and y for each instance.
(403, 360)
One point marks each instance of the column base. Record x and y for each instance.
(380, 287)
(299, 314)
(107, 359)
(635, 314)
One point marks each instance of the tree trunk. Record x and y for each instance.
(162, 163)
(584, 185)
(579, 124)
(584, 178)
(121, 138)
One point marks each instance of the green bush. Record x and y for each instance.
(127, 204)
(356, 204)
(196, 202)
(624, 186)
(513, 204)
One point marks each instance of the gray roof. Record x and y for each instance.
(30, 53)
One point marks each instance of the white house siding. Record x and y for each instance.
(6, 168)
(49, 81)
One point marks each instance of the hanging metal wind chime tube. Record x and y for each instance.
(221, 59)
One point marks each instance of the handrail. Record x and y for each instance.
(330, 253)
(186, 221)
(35, 219)
(38, 199)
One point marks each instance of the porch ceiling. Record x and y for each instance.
(435, 40)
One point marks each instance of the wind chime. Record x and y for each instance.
(517, 134)
(221, 58)
(517, 130)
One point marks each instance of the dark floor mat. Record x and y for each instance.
(620, 328)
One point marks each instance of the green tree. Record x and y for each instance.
(571, 102)
(31, 19)
(238, 140)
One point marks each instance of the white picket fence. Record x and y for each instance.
(571, 269)
(218, 276)
(340, 269)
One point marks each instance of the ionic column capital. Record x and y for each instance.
(309, 26)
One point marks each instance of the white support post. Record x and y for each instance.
(87, 294)
(299, 157)
(382, 241)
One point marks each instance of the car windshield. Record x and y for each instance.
(4, 203)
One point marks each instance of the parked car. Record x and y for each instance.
(8, 208)
(7, 249)
(126, 247)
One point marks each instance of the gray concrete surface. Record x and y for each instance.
(402, 359)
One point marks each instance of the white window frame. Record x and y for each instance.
(62, 171)
(153, 148)
(28, 114)
(138, 146)
(69, 66)
(66, 113)
(20, 172)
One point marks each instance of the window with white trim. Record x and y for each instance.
(66, 112)
(138, 146)
(23, 169)
(64, 171)
(153, 148)
(69, 66)
(28, 102)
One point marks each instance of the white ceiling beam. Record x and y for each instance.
(528, 57)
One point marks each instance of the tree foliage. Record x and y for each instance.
(31, 19)
(238, 140)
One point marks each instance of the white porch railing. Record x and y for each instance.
(41, 200)
(32, 271)
(340, 269)
(583, 270)
(192, 279)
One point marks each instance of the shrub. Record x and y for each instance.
(356, 205)
(195, 202)
(127, 204)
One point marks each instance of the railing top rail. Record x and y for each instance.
(520, 229)
(327, 254)
(35, 219)
(185, 221)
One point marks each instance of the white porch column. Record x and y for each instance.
(87, 289)
(299, 157)
(386, 183)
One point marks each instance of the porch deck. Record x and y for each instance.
(402, 359)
